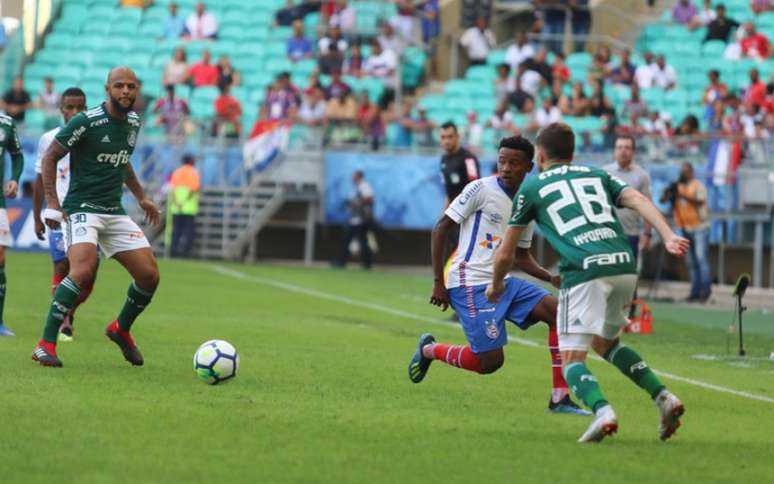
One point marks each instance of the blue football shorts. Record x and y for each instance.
(484, 322)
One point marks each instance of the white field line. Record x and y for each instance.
(406, 315)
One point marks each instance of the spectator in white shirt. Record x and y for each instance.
(502, 121)
(644, 73)
(519, 52)
(664, 75)
(473, 133)
(530, 81)
(344, 17)
(478, 41)
(703, 17)
(201, 25)
(381, 63)
(546, 114)
(389, 40)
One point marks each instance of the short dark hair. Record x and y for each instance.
(629, 137)
(188, 159)
(557, 141)
(73, 92)
(518, 143)
(449, 125)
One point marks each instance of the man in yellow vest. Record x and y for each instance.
(184, 206)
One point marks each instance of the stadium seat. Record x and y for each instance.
(496, 56)
(222, 47)
(713, 49)
(100, 27)
(155, 13)
(35, 119)
(481, 74)
(137, 60)
(59, 40)
(69, 25)
(275, 65)
(231, 32)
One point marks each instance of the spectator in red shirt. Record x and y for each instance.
(754, 44)
(755, 95)
(228, 113)
(203, 73)
(559, 70)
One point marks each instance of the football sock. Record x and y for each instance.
(56, 279)
(459, 356)
(64, 298)
(631, 364)
(559, 384)
(584, 385)
(85, 292)
(136, 300)
(2, 292)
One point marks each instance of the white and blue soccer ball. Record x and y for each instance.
(216, 361)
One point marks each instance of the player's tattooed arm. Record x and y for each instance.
(152, 212)
(503, 263)
(54, 153)
(438, 246)
(524, 261)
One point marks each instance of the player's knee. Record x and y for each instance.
(492, 363)
(601, 345)
(150, 279)
(62, 267)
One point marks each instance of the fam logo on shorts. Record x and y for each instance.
(491, 329)
(490, 242)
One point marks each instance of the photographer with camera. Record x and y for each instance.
(688, 197)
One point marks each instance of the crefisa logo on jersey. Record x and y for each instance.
(115, 159)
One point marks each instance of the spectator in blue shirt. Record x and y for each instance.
(174, 25)
(431, 23)
(299, 47)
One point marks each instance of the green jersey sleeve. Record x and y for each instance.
(17, 157)
(614, 186)
(72, 132)
(524, 210)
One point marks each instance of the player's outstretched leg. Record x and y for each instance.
(141, 264)
(419, 364)
(545, 310)
(632, 365)
(584, 385)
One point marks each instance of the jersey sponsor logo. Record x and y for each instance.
(99, 122)
(610, 259)
(563, 170)
(490, 242)
(115, 159)
(3, 136)
(131, 139)
(136, 235)
(106, 139)
(469, 192)
(76, 136)
(495, 218)
(134, 122)
(595, 236)
(100, 208)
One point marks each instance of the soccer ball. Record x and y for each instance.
(216, 361)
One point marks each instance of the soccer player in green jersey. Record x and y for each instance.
(573, 205)
(100, 142)
(9, 141)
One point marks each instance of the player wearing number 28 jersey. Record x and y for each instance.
(573, 205)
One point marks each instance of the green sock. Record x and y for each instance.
(2, 292)
(630, 363)
(136, 300)
(584, 385)
(64, 297)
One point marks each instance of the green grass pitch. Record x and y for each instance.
(322, 393)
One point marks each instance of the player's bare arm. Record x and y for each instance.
(524, 261)
(37, 206)
(438, 241)
(54, 153)
(504, 258)
(152, 212)
(631, 198)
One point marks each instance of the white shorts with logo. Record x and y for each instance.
(111, 233)
(597, 307)
(6, 240)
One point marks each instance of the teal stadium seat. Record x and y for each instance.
(137, 60)
(230, 32)
(713, 49)
(275, 65)
(123, 28)
(35, 119)
(59, 40)
(70, 25)
(99, 27)
(481, 74)
(155, 13)
(496, 56)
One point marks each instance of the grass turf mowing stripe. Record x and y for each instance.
(404, 314)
